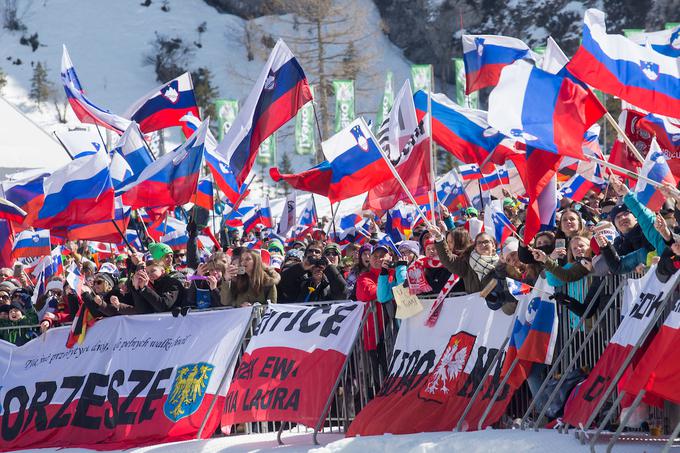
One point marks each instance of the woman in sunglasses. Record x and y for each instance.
(105, 298)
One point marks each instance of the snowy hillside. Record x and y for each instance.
(109, 40)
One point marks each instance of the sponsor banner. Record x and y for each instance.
(421, 74)
(266, 154)
(387, 101)
(471, 101)
(292, 363)
(135, 380)
(226, 109)
(435, 370)
(304, 129)
(642, 298)
(344, 103)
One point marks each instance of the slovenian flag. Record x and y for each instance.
(165, 105)
(31, 243)
(279, 92)
(618, 66)
(655, 168)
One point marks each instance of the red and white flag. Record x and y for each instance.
(642, 299)
(291, 363)
(435, 370)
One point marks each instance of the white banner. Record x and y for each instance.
(135, 380)
(292, 363)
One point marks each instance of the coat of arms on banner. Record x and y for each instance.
(442, 381)
(187, 390)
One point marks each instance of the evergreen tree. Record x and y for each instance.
(286, 167)
(205, 92)
(3, 80)
(40, 86)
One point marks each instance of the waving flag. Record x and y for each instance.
(534, 333)
(412, 165)
(308, 216)
(397, 128)
(465, 133)
(470, 172)
(235, 217)
(576, 188)
(666, 42)
(165, 105)
(85, 110)
(259, 215)
(451, 193)
(27, 194)
(132, 147)
(78, 193)
(10, 211)
(398, 220)
(485, 56)
(204, 194)
(496, 223)
(104, 231)
(500, 176)
(656, 169)
(171, 180)
(289, 214)
(80, 141)
(547, 111)
(279, 92)
(542, 191)
(6, 243)
(667, 136)
(517, 288)
(618, 66)
(31, 243)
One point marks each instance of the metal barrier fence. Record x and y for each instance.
(580, 343)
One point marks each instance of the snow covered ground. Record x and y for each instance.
(496, 441)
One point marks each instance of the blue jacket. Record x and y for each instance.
(646, 219)
(384, 292)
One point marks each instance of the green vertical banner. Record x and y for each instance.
(344, 103)
(304, 129)
(670, 25)
(266, 154)
(226, 109)
(540, 50)
(471, 101)
(387, 101)
(421, 75)
(629, 32)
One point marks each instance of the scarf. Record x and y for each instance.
(482, 265)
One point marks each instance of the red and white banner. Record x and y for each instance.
(136, 380)
(642, 298)
(292, 363)
(654, 372)
(434, 371)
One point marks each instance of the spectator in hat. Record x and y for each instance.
(409, 253)
(152, 290)
(106, 299)
(361, 264)
(18, 317)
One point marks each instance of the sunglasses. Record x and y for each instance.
(331, 253)
(99, 282)
(313, 252)
(485, 242)
(5, 297)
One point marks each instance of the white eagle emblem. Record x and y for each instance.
(650, 69)
(270, 82)
(448, 368)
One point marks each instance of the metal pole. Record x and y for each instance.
(631, 353)
(497, 393)
(226, 374)
(496, 357)
(433, 151)
(671, 438)
(631, 409)
(565, 348)
(339, 378)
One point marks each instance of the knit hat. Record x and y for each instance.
(511, 245)
(106, 277)
(158, 250)
(275, 245)
(472, 211)
(332, 246)
(54, 285)
(109, 268)
(8, 285)
(295, 254)
(19, 306)
(365, 248)
(120, 258)
(411, 246)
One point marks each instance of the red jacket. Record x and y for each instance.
(367, 291)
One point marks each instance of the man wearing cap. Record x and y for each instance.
(314, 268)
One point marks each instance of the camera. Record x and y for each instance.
(323, 261)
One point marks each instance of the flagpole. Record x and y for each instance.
(433, 155)
(630, 173)
(401, 182)
(240, 197)
(621, 132)
(112, 220)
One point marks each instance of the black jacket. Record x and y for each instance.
(292, 287)
(159, 296)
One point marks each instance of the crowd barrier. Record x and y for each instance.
(580, 343)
